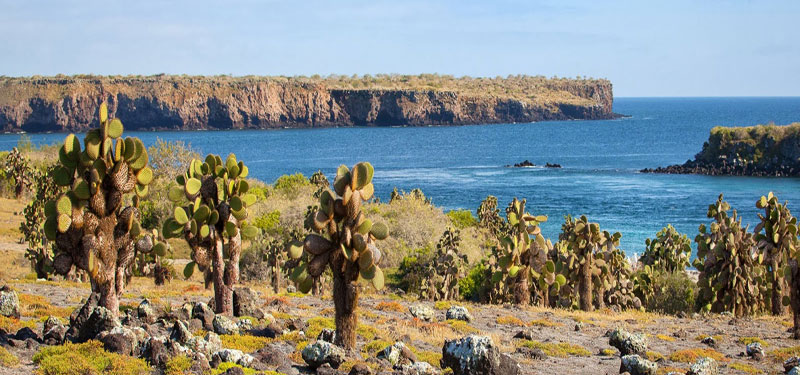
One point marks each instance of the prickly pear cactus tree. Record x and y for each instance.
(446, 268)
(489, 215)
(211, 210)
(776, 238)
(40, 250)
(95, 223)
(586, 242)
(731, 276)
(17, 167)
(151, 252)
(615, 286)
(668, 252)
(345, 241)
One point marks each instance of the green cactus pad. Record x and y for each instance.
(64, 205)
(201, 213)
(141, 190)
(129, 149)
(192, 186)
(305, 285)
(299, 273)
(378, 280)
(115, 128)
(180, 216)
(175, 194)
(50, 208)
(380, 231)
(240, 214)
(51, 227)
(248, 199)
(140, 162)
(144, 176)
(236, 203)
(213, 218)
(160, 249)
(63, 222)
(365, 227)
(81, 190)
(249, 232)
(361, 175)
(368, 273)
(295, 249)
(365, 260)
(231, 229)
(188, 270)
(205, 231)
(62, 176)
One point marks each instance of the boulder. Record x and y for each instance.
(628, 343)
(326, 369)
(224, 326)
(156, 352)
(119, 340)
(53, 331)
(321, 352)
(755, 351)
(636, 365)
(180, 333)
(360, 369)
(273, 356)
(233, 356)
(474, 355)
(419, 368)
(207, 345)
(791, 363)
(532, 353)
(146, 312)
(296, 324)
(81, 315)
(9, 302)
(26, 333)
(206, 315)
(245, 303)
(704, 366)
(794, 371)
(422, 312)
(458, 313)
(397, 354)
(100, 320)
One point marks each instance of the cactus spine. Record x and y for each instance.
(211, 210)
(731, 276)
(345, 241)
(776, 237)
(92, 224)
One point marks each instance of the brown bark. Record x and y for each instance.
(777, 296)
(223, 296)
(109, 297)
(585, 287)
(545, 292)
(794, 296)
(345, 299)
(522, 294)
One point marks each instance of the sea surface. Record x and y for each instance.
(459, 166)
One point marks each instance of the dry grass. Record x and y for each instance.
(391, 306)
(782, 354)
(665, 338)
(560, 350)
(745, 368)
(510, 320)
(692, 355)
(245, 343)
(544, 322)
(40, 307)
(749, 340)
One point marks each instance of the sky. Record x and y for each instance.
(645, 47)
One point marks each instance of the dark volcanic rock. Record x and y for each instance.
(473, 355)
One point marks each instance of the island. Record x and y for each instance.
(177, 102)
(761, 150)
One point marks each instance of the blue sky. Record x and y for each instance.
(646, 48)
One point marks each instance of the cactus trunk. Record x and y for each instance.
(109, 298)
(545, 302)
(522, 294)
(223, 294)
(586, 285)
(345, 298)
(777, 296)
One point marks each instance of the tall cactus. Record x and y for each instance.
(489, 215)
(211, 210)
(40, 250)
(587, 242)
(668, 252)
(345, 241)
(445, 269)
(731, 276)
(17, 167)
(92, 223)
(776, 237)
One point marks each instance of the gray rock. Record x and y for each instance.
(245, 303)
(233, 356)
(704, 366)
(636, 365)
(419, 368)
(180, 333)
(397, 354)
(100, 320)
(628, 343)
(207, 345)
(360, 369)
(327, 334)
(708, 340)
(119, 340)
(273, 356)
(474, 355)
(224, 326)
(578, 327)
(794, 371)
(206, 315)
(791, 363)
(156, 352)
(458, 313)
(291, 289)
(755, 351)
(146, 312)
(9, 302)
(53, 331)
(321, 352)
(421, 312)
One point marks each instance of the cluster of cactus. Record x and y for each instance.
(670, 251)
(732, 277)
(413, 194)
(776, 238)
(152, 250)
(520, 266)
(92, 225)
(319, 180)
(489, 215)
(344, 240)
(586, 246)
(211, 209)
(40, 250)
(17, 167)
(448, 265)
(615, 284)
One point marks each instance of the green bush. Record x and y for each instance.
(288, 184)
(86, 358)
(462, 218)
(269, 223)
(674, 292)
(412, 268)
(471, 286)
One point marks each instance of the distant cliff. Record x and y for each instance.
(62, 103)
(761, 150)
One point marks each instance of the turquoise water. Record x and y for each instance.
(458, 166)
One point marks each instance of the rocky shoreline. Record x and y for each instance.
(61, 104)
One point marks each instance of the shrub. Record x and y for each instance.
(692, 355)
(245, 343)
(269, 223)
(472, 286)
(7, 359)
(674, 293)
(288, 184)
(560, 350)
(86, 358)
(177, 365)
(462, 218)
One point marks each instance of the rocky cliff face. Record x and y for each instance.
(176, 102)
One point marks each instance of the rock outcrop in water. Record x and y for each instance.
(181, 102)
(761, 150)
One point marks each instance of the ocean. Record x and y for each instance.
(459, 166)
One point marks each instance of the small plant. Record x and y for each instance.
(731, 276)
(40, 250)
(668, 252)
(17, 167)
(461, 219)
(211, 210)
(345, 242)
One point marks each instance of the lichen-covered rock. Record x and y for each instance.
(755, 351)
(422, 312)
(636, 365)
(119, 340)
(704, 366)
(207, 345)
(628, 343)
(146, 312)
(323, 352)
(458, 313)
(9, 303)
(233, 356)
(474, 355)
(206, 315)
(245, 303)
(397, 354)
(100, 320)
(419, 368)
(224, 326)
(180, 333)
(791, 363)
(53, 331)
(794, 371)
